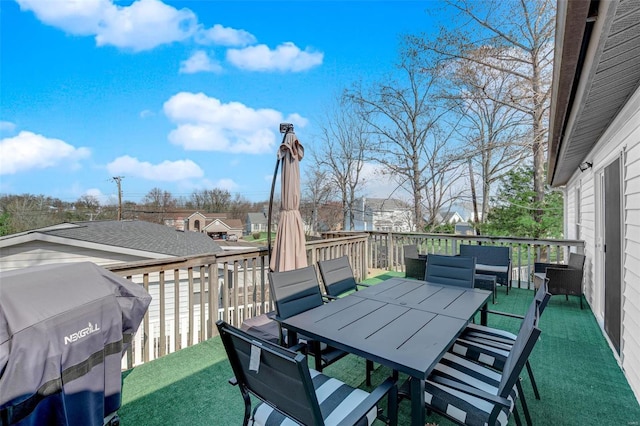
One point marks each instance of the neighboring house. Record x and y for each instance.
(224, 229)
(197, 221)
(594, 154)
(382, 214)
(256, 222)
(450, 217)
(464, 228)
(177, 219)
(101, 242)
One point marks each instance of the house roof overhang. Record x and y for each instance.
(596, 70)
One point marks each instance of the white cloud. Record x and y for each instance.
(167, 171)
(147, 113)
(102, 198)
(143, 25)
(207, 124)
(227, 184)
(7, 126)
(28, 151)
(199, 62)
(286, 57)
(378, 184)
(74, 17)
(225, 36)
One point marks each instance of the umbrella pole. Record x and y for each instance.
(273, 186)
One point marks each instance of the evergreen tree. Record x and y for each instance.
(514, 207)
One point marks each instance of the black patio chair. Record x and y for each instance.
(289, 391)
(563, 279)
(472, 394)
(451, 270)
(491, 346)
(338, 280)
(294, 292)
(337, 277)
(415, 267)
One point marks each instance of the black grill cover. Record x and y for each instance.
(61, 342)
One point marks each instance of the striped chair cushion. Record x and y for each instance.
(489, 353)
(489, 346)
(483, 331)
(462, 407)
(336, 401)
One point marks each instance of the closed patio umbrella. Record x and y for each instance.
(289, 251)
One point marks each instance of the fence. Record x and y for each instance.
(385, 250)
(189, 294)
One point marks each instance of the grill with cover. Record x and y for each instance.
(63, 331)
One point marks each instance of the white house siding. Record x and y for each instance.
(35, 253)
(588, 234)
(621, 140)
(631, 299)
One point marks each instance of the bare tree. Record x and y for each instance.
(403, 116)
(158, 204)
(442, 187)
(494, 135)
(343, 151)
(214, 200)
(27, 211)
(517, 37)
(89, 205)
(316, 192)
(239, 207)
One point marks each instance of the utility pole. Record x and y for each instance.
(118, 181)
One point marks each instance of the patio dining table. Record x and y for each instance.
(404, 324)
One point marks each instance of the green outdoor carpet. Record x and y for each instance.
(579, 380)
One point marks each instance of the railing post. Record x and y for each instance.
(163, 339)
(390, 250)
(145, 323)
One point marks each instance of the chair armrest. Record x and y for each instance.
(542, 266)
(365, 284)
(299, 347)
(506, 314)
(370, 401)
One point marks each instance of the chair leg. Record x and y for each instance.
(516, 416)
(523, 402)
(369, 369)
(534, 385)
(392, 406)
(247, 407)
(317, 355)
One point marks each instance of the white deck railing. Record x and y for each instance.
(189, 294)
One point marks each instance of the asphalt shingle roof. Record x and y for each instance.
(138, 235)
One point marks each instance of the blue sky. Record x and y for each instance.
(179, 95)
